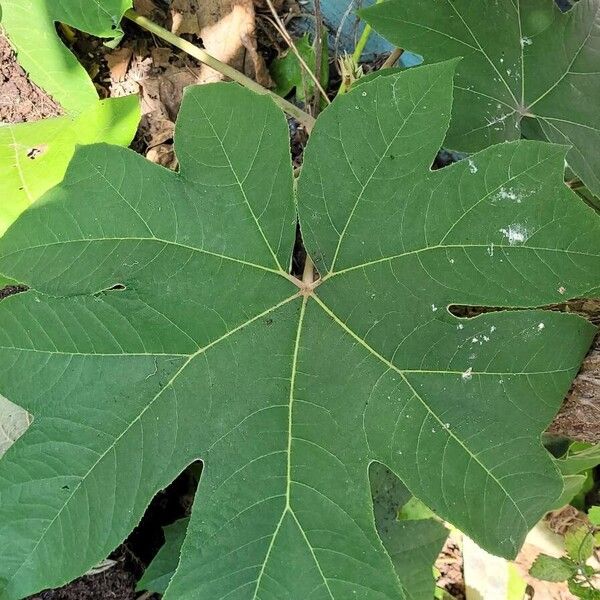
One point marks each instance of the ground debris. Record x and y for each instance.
(20, 99)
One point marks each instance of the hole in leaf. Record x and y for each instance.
(118, 287)
(11, 290)
(589, 309)
(169, 505)
(36, 151)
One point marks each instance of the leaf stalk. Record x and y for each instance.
(223, 68)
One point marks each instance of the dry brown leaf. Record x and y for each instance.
(161, 57)
(118, 63)
(163, 155)
(149, 9)
(227, 30)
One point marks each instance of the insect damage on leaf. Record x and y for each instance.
(288, 391)
(526, 68)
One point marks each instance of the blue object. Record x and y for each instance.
(345, 28)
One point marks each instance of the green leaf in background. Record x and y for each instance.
(288, 74)
(31, 28)
(579, 543)
(161, 326)
(594, 515)
(413, 545)
(34, 156)
(575, 466)
(159, 573)
(523, 60)
(579, 458)
(572, 485)
(583, 591)
(548, 568)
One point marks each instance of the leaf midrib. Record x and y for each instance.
(374, 170)
(433, 414)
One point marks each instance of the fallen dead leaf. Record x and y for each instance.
(149, 9)
(227, 30)
(118, 63)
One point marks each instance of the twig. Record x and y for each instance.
(392, 59)
(290, 42)
(318, 52)
(145, 596)
(362, 42)
(219, 66)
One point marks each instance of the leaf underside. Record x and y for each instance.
(526, 68)
(161, 327)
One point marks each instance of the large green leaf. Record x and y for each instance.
(34, 156)
(526, 66)
(31, 28)
(161, 326)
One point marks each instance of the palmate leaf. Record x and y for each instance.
(526, 67)
(161, 327)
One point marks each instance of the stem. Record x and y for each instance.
(362, 42)
(392, 59)
(290, 42)
(316, 101)
(221, 67)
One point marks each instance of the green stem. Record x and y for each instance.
(221, 67)
(362, 42)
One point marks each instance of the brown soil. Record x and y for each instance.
(579, 417)
(20, 100)
(450, 566)
(115, 583)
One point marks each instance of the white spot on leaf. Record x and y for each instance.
(515, 234)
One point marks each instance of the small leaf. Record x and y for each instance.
(415, 510)
(579, 458)
(549, 568)
(579, 543)
(526, 67)
(583, 591)
(160, 571)
(594, 515)
(572, 485)
(288, 73)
